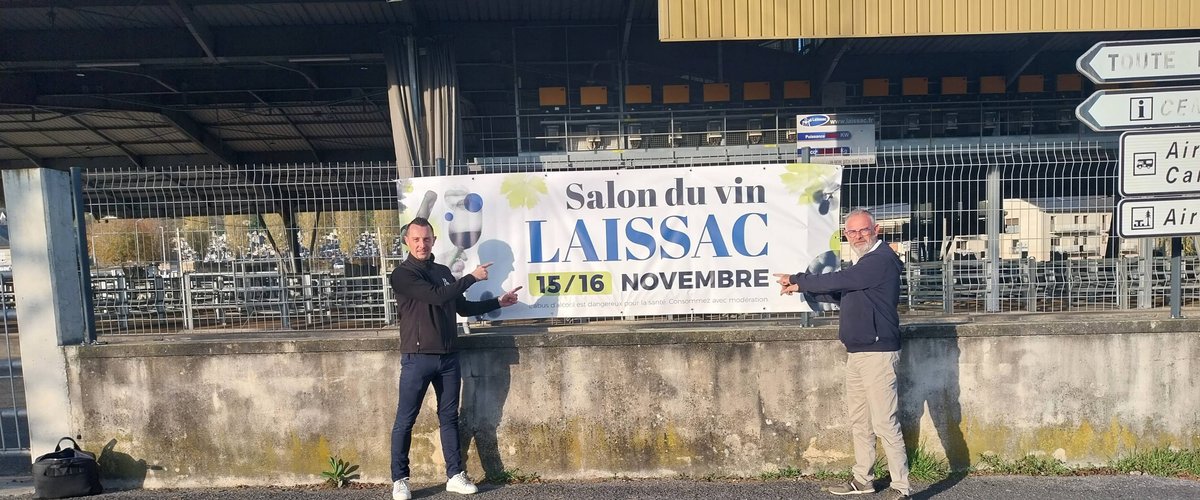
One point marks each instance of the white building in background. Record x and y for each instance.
(1073, 227)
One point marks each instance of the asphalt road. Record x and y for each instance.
(974, 487)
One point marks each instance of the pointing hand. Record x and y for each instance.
(481, 273)
(509, 298)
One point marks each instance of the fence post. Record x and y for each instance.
(1176, 275)
(1146, 292)
(1122, 283)
(948, 286)
(1030, 272)
(995, 217)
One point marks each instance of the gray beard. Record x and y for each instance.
(855, 254)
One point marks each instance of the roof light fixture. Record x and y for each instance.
(108, 64)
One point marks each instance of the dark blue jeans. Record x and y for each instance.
(417, 372)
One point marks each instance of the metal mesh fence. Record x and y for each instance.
(298, 247)
(14, 424)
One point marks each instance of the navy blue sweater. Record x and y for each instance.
(867, 293)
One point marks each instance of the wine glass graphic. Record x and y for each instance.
(464, 223)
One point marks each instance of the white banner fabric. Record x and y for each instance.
(702, 240)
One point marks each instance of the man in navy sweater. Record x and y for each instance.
(869, 327)
(427, 298)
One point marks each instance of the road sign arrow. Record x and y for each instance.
(1142, 60)
(1131, 109)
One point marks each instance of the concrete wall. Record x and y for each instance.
(736, 400)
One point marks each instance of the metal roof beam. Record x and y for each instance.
(1033, 47)
(210, 143)
(37, 161)
(196, 27)
(308, 75)
(316, 156)
(137, 162)
(830, 58)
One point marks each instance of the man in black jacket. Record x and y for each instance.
(869, 327)
(427, 299)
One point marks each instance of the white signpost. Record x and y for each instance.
(1126, 109)
(1160, 163)
(1154, 217)
(1142, 60)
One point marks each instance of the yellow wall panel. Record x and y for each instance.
(741, 19)
(716, 17)
(794, 15)
(754, 19)
(692, 20)
(1033, 13)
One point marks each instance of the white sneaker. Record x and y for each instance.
(400, 490)
(460, 484)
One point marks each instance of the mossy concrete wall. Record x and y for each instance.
(604, 401)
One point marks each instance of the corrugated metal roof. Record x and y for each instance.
(528, 10)
(300, 13)
(344, 129)
(164, 149)
(143, 134)
(233, 132)
(26, 138)
(88, 18)
(259, 146)
(352, 143)
(100, 119)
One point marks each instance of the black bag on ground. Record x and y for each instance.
(69, 472)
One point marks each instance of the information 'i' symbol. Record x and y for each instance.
(1141, 108)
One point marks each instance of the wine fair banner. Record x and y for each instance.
(702, 240)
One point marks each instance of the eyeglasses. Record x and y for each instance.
(856, 232)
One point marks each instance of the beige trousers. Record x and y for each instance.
(872, 404)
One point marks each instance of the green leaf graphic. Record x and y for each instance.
(523, 190)
(805, 180)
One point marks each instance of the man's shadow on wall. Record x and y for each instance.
(500, 254)
(486, 377)
(486, 370)
(929, 379)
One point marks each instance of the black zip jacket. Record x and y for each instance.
(427, 297)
